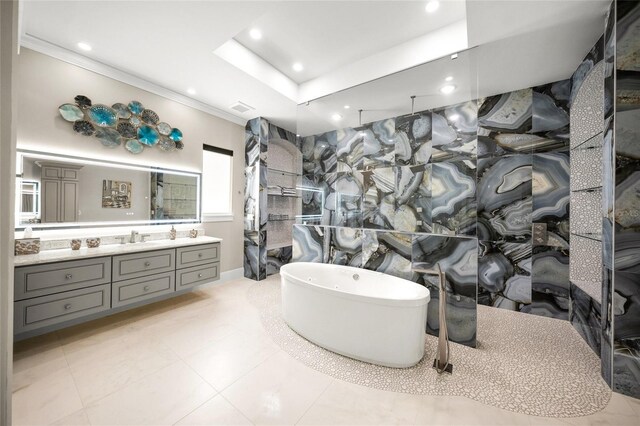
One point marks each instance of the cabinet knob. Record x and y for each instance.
(68, 276)
(147, 263)
(67, 306)
(145, 288)
(199, 275)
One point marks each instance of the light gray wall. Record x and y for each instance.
(8, 71)
(44, 83)
(90, 194)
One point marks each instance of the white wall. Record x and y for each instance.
(44, 83)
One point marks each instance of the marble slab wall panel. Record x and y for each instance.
(504, 274)
(413, 143)
(455, 132)
(379, 201)
(343, 203)
(551, 195)
(505, 123)
(413, 198)
(550, 116)
(585, 317)
(276, 258)
(319, 153)
(343, 246)
(380, 139)
(388, 252)
(453, 191)
(349, 149)
(457, 256)
(504, 198)
(550, 290)
(586, 168)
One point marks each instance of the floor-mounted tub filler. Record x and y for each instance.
(366, 315)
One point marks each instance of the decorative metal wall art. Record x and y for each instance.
(132, 126)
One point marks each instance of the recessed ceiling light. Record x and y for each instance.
(447, 89)
(297, 67)
(84, 46)
(336, 116)
(449, 78)
(347, 107)
(432, 6)
(255, 34)
(191, 91)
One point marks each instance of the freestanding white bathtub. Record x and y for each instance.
(358, 313)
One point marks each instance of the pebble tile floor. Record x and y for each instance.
(214, 357)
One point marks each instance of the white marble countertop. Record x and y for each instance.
(48, 256)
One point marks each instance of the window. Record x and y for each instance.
(217, 169)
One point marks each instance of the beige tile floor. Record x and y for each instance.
(205, 359)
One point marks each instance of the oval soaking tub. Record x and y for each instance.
(362, 314)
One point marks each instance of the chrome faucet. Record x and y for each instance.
(143, 237)
(132, 239)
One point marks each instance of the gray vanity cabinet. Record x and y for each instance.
(197, 265)
(58, 294)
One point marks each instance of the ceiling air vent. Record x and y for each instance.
(241, 107)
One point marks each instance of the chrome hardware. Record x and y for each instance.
(143, 236)
(147, 263)
(199, 275)
(146, 288)
(67, 306)
(132, 238)
(356, 277)
(68, 276)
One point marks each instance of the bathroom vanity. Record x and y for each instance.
(58, 288)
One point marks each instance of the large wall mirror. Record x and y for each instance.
(55, 191)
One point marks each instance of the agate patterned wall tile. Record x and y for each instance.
(457, 256)
(550, 189)
(413, 198)
(626, 333)
(278, 257)
(378, 205)
(388, 252)
(349, 149)
(585, 317)
(504, 275)
(380, 139)
(626, 373)
(455, 132)
(343, 246)
(606, 342)
(549, 283)
(504, 198)
(595, 55)
(255, 255)
(319, 153)
(344, 199)
(551, 116)
(505, 123)
(308, 243)
(413, 143)
(453, 191)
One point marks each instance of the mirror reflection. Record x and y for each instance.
(58, 191)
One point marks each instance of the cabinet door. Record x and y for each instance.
(51, 190)
(69, 202)
(69, 174)
(49, 172)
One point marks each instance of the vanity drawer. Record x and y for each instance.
(41, 280)
(142, 264)
(198, 255)
(138, 289)
(56, 308)
(190, 277)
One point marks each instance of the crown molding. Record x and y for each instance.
(65, 55)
